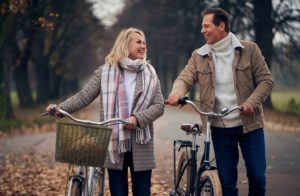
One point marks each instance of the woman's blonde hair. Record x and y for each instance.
(120, 48)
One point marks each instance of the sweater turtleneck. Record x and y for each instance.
(222, 45)
(222, 53)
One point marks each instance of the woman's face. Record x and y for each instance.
(137, 46)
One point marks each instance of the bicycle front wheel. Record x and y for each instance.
(97, 182)
(183, 174)
(210, 184)
(76, 188)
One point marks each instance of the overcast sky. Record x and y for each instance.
(107, 10)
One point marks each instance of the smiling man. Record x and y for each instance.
(230, 72)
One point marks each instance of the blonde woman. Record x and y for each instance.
(128, 88)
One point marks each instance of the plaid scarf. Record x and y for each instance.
(115, 103)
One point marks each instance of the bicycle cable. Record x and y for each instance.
(200, 102)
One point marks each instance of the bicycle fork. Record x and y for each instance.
(192, 161)
(205, 160)
(95, 173)
(193, 165)
(76, 178)
(81, 177)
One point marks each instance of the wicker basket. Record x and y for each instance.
(81, 144)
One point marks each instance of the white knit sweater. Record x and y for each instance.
(225, 96)
(130, 83)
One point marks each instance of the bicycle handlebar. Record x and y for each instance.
(55, 109)
(224, 112)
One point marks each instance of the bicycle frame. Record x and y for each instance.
(93, 174)
(192, 161)
(204, 165)
(83, 173)
(196, 172)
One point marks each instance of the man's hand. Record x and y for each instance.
(173, 99)
(246, 109)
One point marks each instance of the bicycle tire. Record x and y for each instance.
(184, 183)
(210, 184)
(76, 188)
(98, 184)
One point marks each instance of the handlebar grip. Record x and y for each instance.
(52, 111)
(182, 100)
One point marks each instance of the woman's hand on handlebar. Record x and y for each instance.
(52, 110)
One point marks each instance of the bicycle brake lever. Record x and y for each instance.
(51, 112)
(224, 110)
(44, 114)
(182, 101)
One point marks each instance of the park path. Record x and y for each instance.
(283, 152)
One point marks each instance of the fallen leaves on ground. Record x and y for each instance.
(37, 174)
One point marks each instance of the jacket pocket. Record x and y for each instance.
(244, 80)
(204, 75)
(244, 72)
(242, 67)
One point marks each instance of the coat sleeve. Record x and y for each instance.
(84, 97)
(262, 78)
(154, 111)
(187, 78)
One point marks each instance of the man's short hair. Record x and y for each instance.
(220, 15)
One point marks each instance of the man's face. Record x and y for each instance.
(212, 33)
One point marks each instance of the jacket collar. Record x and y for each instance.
(205, 50)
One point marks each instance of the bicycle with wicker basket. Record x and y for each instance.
(83, 143)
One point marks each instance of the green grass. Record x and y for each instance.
(24, 117)
(14, 98)
(8, 124)
(287, 101)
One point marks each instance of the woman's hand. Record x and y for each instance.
(52, 110)
(132, 123)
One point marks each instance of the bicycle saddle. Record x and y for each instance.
(191, 128)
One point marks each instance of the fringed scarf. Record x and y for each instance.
(115, 103)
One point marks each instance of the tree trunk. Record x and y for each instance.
(20, 73)
(55, 85)
(41, 68)
(263, 25)
(6, 109)
(69, 86)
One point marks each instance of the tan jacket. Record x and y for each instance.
(252, 81)
(143, 154)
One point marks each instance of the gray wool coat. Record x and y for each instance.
(143, 154)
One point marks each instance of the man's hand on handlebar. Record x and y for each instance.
(246, 109)
(173, 99)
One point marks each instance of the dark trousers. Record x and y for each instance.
(118, 179)
(252, 145)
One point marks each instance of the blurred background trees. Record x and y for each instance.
(173, 29)
(47, 47)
